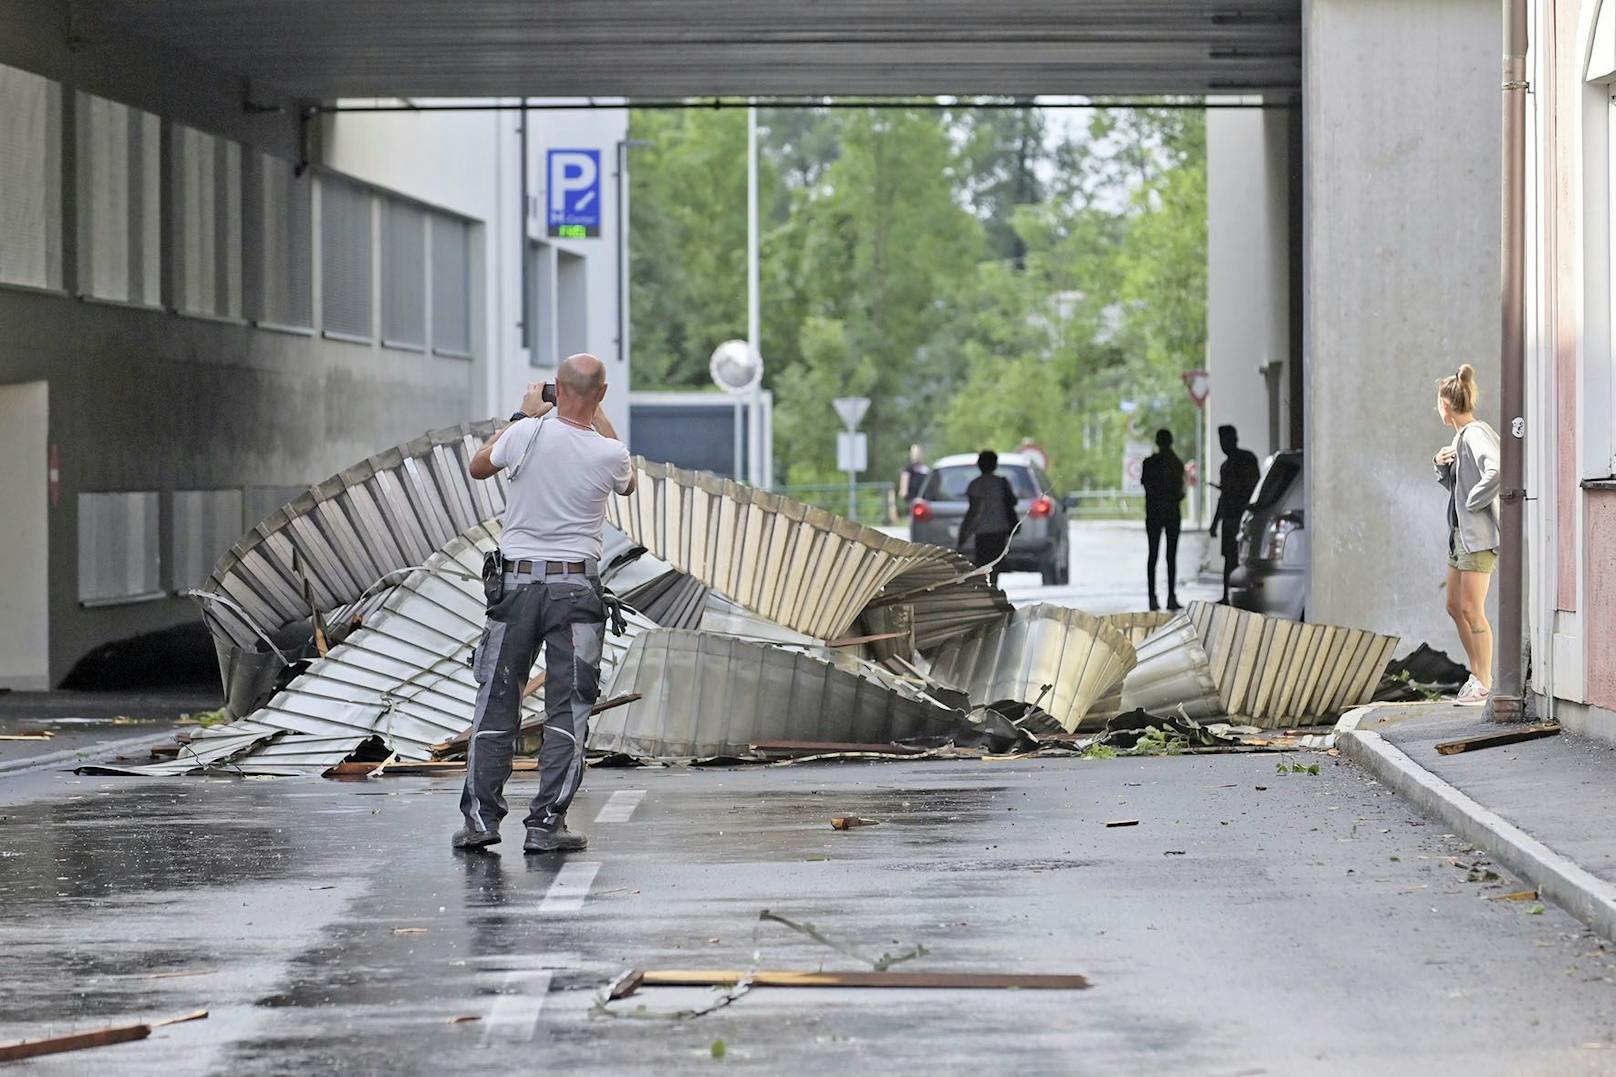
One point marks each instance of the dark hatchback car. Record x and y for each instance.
(1272, 575)
(1042, 545)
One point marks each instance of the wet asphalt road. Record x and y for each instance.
(1314, 926)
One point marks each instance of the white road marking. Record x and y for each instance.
(514, 1015)
(620, 805)
(569, 888)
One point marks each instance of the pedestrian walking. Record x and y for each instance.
(1162, 476)
(990, 517)
(562, 461)
(912, 477)
(1237, 482)
(1468, 467)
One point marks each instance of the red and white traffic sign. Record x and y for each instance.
(1199, 383)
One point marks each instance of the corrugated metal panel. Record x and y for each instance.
(1061, 660)
(403, 274)
(30, 179)
(1138, 627)
(706, 696)
(797, 565)
(1172, 671)
(404, 675)
(326, 49)
(346, 262)
(451, 286)
(207, 749)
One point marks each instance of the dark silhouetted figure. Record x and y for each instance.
(1163, 479)
(991, 515)
(1238, 483)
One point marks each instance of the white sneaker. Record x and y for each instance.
(1472, 694)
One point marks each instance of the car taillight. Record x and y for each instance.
(1274, 535)
(1041, 507)
(920, 511)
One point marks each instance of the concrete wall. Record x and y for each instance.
(1402, 260)
(1248, 274)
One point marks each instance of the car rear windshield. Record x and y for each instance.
(949, 483)
(1280, 475)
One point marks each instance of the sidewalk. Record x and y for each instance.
(1541, 808)
(85, 724)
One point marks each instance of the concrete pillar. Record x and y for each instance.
(1249, 292)
(1402, 285)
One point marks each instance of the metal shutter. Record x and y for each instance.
(345, 262)
(119, 203)
(206, 524)
(403, 274)
(119, 558)
(30, 179)
(207, 241)
(451, 286)
(285, 216)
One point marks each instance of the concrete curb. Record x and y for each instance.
(80, 756)
(1557, 878)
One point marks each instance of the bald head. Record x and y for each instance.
(582, 375)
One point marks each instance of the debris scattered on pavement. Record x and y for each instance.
(1426, 674)
(879, 964)
(31, 734)
(464, 1018)
(78, 1041)
(1517, 895)
(1123, 822)
(852, 822)
(1494, 740)
(802, 978)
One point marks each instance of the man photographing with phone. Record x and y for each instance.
(563, 460)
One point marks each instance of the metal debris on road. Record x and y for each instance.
(851, 822)
(638, 978)
(1059, 661)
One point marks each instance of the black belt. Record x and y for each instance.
(550, 568)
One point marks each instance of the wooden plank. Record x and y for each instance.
(75, 1041)
(1493, 740)
(532, 725)
(854, 641)
(829, 747)
(793, 978)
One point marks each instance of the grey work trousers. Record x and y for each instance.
(567, 616)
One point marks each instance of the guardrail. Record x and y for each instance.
(875, 503)
(1104, 505)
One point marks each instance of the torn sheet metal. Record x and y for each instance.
(352, 534)
(707, 696)
(799, 566)
(1172, 672)
(1059, 659)
(205, 749)
(1275, 672)
(1138, 627)
(404, 675)
(673, 599)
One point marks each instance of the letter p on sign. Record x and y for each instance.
(574, 194)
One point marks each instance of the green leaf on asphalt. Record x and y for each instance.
(1536, 910)
(718, 1049)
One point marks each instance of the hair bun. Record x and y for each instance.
(1467, 373)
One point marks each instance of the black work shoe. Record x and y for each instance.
(467, 838)
(1172, 603)
(559, 840)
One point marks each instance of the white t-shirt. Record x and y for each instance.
(556, 501)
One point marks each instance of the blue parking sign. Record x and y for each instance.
(574, 194)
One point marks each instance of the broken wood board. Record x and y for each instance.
(79, 1041)
(1494, 740)
(812, 747)
(802, 978)
(852, 822)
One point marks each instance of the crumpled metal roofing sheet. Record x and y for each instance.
(204, 749)
(1275, 672)
(1078, 656)
(1172, 671)
(403, 675)
(799, 566)
(706, 696)
(1138, 627)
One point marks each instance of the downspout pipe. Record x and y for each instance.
(1507, 702)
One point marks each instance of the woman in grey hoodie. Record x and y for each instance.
(1468, 468)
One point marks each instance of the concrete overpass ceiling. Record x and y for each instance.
(326, 49)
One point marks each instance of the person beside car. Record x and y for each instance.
(990, 516)
(1237, 482)
(1162, 476)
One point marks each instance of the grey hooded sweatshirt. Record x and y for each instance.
(1472, 482)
